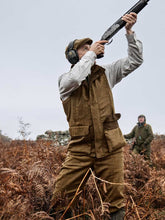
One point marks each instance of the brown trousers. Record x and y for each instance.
(109, 168)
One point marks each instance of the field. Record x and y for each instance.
(28, 171)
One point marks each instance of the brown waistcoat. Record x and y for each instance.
(91, 108)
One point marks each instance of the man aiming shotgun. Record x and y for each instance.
(96, 139)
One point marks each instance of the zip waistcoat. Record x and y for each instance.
(91, 116)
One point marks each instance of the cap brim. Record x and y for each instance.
(81, 42)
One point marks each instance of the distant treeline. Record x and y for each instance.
(4, 138)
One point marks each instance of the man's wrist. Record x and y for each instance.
(129, 31)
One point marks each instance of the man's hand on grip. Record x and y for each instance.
(98, 47)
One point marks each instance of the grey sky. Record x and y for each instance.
(33, 37)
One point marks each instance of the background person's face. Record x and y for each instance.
(141, 119)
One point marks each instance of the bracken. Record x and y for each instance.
(28, 171)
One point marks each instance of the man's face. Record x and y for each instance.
(141, 119)
(82, 50)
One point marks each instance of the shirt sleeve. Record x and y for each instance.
(131, 134)
(68, 82)
(121, 68)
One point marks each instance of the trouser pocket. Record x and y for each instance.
(115, 139)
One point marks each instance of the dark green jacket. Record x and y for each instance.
(143, 135)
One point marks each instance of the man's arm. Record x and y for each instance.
(116, 71)
(131, 134)
(121, 68)
(70, 81)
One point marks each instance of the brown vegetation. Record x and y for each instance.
(28, 171)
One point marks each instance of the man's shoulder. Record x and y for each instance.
(136, 126)
(148, 126)
(59, 78)
(63, 74)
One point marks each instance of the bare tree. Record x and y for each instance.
(23, 129)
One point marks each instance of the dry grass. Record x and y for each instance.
(28, 171)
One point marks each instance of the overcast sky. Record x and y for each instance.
(33, 37)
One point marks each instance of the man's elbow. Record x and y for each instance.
(139, 61)
(70, 85)
(137, 64)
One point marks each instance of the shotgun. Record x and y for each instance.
(119, 24)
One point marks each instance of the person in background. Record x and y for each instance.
(142, 135)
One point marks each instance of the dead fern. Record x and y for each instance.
(28, 171)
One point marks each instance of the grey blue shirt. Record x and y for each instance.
(115, 72)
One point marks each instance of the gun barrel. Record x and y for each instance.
(111, 31)
(138, 6)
